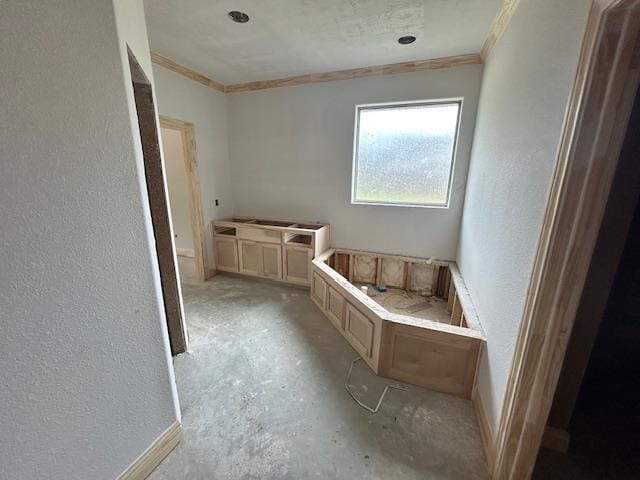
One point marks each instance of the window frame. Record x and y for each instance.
(356, 134)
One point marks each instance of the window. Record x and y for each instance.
(404, 153)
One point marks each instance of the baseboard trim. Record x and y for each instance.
(556, 439)
(485, 427)
(185, 252)
(142, 467)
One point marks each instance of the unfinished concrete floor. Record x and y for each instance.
(262, 397)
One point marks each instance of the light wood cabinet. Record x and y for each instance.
(319, 291)
(360, 331)
(260, 259)
(271, 260)
(274, 249)
(336, 308)
(297, 264)
(226, 250)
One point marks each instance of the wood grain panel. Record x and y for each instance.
(226, 254)
(436, 360)
(336, 307)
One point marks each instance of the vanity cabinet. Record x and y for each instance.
(273, 249)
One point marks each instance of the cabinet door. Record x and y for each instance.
(271, 260)
(319, 290)
(359, 330)
(335, 308)
(250, 257)
(226, 254)
(297, 264)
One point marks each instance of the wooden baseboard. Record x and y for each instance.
(485, 427)
(142, 467)
(211, 273)
(185, 252)
(556, 439)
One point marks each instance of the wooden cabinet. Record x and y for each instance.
(319, 291)
(226, 250)
(336, 308)
(260, 259)
(360, 331)
(273, 249)
(271, 260)
(297, 264)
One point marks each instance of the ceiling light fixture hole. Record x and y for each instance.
(406, 40)
(238, 17)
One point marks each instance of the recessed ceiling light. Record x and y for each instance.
(238, 17)
(406, 40)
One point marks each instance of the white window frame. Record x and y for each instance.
(356, 134)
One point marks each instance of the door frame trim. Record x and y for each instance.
(188, 132)
(597, 116)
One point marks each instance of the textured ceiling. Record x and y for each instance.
(296, 37)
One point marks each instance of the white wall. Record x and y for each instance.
(292, 150)
(526, 84)
(87, 384)
(178, 183)
(184, 99)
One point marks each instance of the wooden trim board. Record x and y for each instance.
(185, 71)
(187, 131)
(391, 69)
(599, 107)
(499, 26)
(486, 432)
(142, 466)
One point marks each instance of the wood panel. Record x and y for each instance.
(436, 360)
(271, 261)
(597, 116)
(250, 257)
(359, 330)
(336, 308)
(185, 72)
(422, 278)
(297, 264)
(486, 432)
(226, 254)
(142, 467)
(391, 69)
(319, 291)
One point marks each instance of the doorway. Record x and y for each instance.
(159, 208)
(179, 147)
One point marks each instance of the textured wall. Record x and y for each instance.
(292, 150)
(181, 98)
(86, 382)
(525, 88)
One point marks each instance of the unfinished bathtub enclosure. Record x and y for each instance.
(410, 319)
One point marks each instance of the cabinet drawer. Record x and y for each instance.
(259, 234)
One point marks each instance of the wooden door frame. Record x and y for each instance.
(592, 138)
(188, 132)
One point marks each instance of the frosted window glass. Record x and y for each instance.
(404, 153)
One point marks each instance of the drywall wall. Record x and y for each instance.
(173, 154)
(292, 149)
(183, 99)
(87, 384)
(525, 89)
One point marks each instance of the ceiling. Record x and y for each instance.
(297, 37)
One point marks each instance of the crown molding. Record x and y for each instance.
(390, 69)
(498, 26)
(185, 71)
